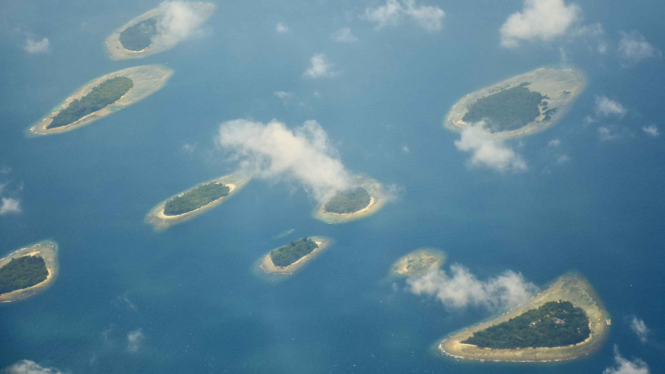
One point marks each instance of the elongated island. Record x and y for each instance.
(289, 258)
(564, 322)
(418, 262)
(151, 32)
(101, 97)
(196, 200)
(364, 200)
(28, 271)
(522, 105)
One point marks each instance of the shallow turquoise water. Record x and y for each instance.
(190, 291)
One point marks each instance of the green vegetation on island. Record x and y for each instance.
(292, 252)
(196, 198)
(100, 97)
(508, 109)
(22, 273)
(139, 36)
(348, 201)
(554, 324)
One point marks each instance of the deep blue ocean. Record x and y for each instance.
(189, 291)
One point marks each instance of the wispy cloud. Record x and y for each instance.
(609, 133)
(10, 206)
(320, 67)
(651, 130)
(487, 150)
(624, 366)
(272, 151)
(554, 143)
(634, 48)
(640, 329)
(393, 12)
(30, 367)
(539, 20)
(605, 107)
(462, 289)
(34, 46)
(286, 97)
(344, 35)
(281, 28)
(135, 340)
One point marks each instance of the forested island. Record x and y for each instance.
(139, 36)
(508, 109)
(418, 262)
(347, 202)
(22, 272)
(554, 324)
(100, 97)
(196, 198)
(292, 252)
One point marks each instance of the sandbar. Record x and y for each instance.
(118, 52)
(48, 250)
(378, 198)
(147, 80)
(266, 265)
(161, 221)
(569, 287)
(561, 86)
(418, 262)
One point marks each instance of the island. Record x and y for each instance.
(147, 34)
(365, 199)
(28, 271)
(522, 105)
(101, 97)
(418, 262)
(564, 322)
(288, 259)
(196, 200)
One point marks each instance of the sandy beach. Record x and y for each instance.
(48, 251)
(267, 266)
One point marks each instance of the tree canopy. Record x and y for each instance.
(108, 92)
(196, 198)
(22, 272)
(508, 109)
(555, 324)
(139, 36)
(348, 201)
(292, 252)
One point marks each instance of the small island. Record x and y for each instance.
(564, 322)
(198, 199)
(102, 97)
(289, 258)
(365, 199)
(147, 35)
(418, 262)
(28, 271)
(519, 106)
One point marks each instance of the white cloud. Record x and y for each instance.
(320, 67)
(33, 46)
(394, 11)
(640, 329)
(634, 48)
(564, 158)
(179, 21)
(30, 367)
(651, 130)
(286, 97)
(623, 366)
(606, 107)
(272, 151)
(344, 35)
(607, 134)
(540, 20)
(554, 143)
(281, 28)
(189, 148)
(10, 206)
(135, 340)
(462, 289)
(405, 149)
(592, 33)
(487, 150)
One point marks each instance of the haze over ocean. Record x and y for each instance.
(132, 300)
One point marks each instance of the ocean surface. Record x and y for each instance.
(132, 300)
